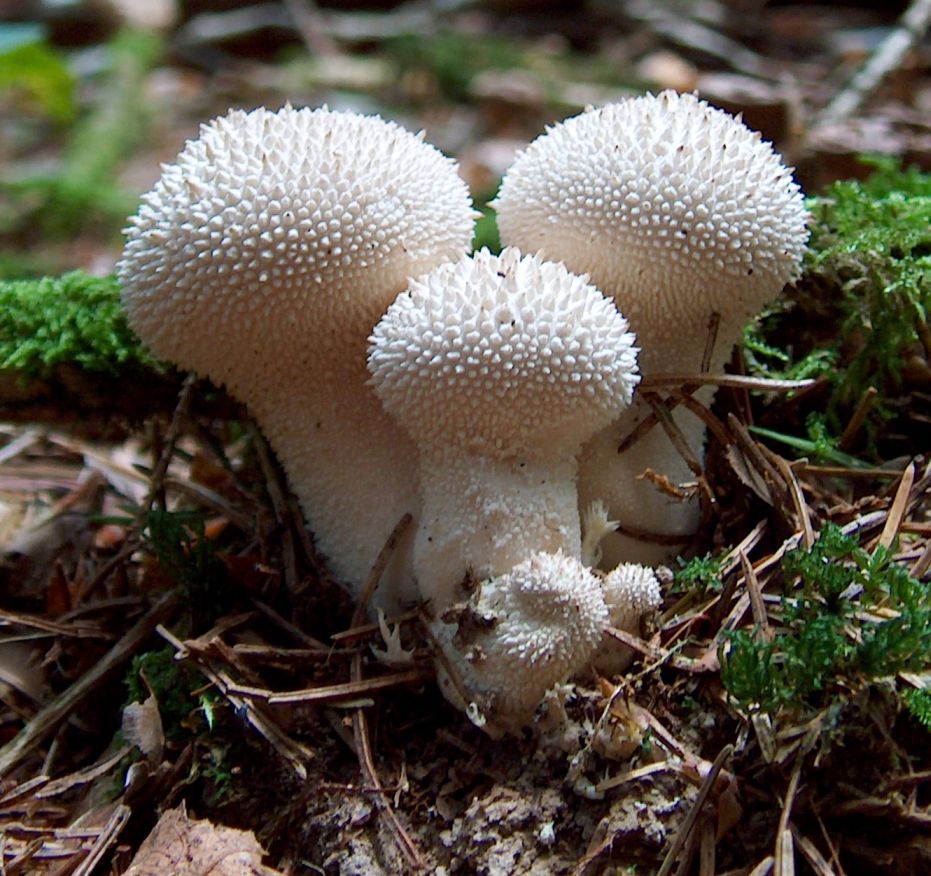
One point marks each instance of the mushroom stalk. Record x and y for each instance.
(616, 478)
(350, 465)
(482, 516)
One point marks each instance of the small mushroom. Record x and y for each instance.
(499, 367)
(519, 635)
(262, 259)
(685, 216)
(630, 591)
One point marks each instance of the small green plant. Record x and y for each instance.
(918, 702)
(72, 319)
(174, 685)
(849, 618)
(702, 574)
(215, 767)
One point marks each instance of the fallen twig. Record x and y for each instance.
(734, 381)
(898, 508)
(686, 829)
(888, 55)
(360, 721)
(291, 751)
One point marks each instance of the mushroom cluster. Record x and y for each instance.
(315, 263)
(499, 368)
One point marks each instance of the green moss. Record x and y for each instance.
(872, 242)
(699, 574)
(73, 319)
(486, 231)
(849, 619)
(865, 294)
(918, 703)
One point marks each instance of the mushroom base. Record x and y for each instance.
(518, 635)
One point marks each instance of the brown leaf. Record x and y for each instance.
(747, 474)
(186, 847)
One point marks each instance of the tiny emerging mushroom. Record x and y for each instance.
(685, 216)
(499, 367)
(520, 634)
(262, 259)
(630, 591)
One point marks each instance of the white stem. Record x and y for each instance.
(616, 479)
(355, 474)
(483, 516)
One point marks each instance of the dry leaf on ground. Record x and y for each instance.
(188, 847)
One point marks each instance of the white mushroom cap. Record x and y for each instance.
(522, 633)
(503, 355)
(262, 259)
(674, 207)
(273, 229)
(630, 591)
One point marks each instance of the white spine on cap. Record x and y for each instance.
(262, 259)
(679, 211)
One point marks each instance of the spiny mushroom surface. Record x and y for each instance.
(630, 591)
(518, 635)
(262, 259)
(679, 211)
(499, 367)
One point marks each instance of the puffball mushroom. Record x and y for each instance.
(499, 367)
(519, 635)
(262, 259)
(679, 211)
(630, 591)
